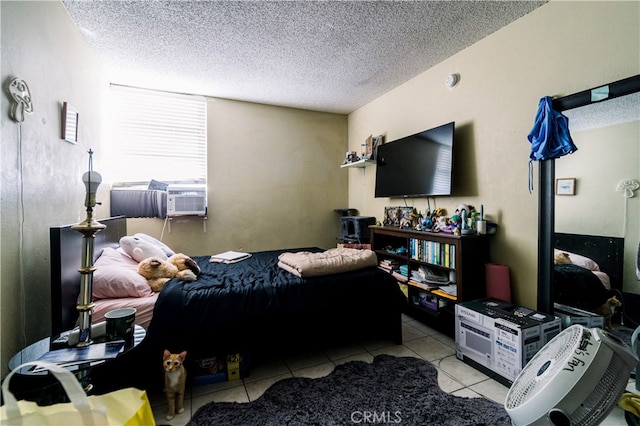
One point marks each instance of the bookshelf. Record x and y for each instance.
(454, 266)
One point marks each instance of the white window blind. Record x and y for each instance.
(159, 135)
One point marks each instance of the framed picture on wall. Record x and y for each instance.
(69, 124)
(566, 186)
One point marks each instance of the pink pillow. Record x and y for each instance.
(117, 276)
(579, 260)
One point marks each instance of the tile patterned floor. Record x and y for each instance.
(420, 341)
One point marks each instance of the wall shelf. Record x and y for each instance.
(358, 164)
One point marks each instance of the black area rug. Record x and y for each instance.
(389, 391)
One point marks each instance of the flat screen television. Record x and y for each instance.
(417, 165)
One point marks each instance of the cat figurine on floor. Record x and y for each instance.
(607, 310)
(175, 377)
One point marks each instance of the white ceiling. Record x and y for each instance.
(603, 114)
(320, 55)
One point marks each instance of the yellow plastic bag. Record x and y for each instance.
(128, 406)
(630, 402)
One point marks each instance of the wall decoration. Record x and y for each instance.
(69, 124)
(377, 141)
(399, 216)
(566, 186)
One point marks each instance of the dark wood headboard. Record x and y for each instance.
(607, 252)
(65, 246)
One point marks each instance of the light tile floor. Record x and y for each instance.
(419, 340)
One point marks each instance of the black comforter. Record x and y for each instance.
(576, 286)
(254, 303)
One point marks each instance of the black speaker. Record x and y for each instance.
(356, 227)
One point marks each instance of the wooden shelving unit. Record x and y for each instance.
(463, 258)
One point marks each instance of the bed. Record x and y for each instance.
(252, 306)
(594, 272)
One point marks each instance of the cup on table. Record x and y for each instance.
(482, 226)
(120, 324)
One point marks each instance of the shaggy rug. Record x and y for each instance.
(388, 391)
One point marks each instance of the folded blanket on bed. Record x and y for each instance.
(306, 264)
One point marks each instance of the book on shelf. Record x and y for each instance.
(79, 355)
(394, 273)
(424, 286)
(437, 253)
(355, 246)
(400, 277)
(229, 257)
(430, 276)
(390, 265)
(448, 291)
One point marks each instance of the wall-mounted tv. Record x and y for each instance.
(417, 165)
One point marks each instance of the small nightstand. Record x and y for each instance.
(42, 387)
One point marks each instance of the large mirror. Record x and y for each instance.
(605, 125)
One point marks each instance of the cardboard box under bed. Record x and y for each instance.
(220, 368)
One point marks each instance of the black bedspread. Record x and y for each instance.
(255, 303)
(576, 286)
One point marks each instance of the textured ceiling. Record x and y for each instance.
(603, 114)
(320, 55)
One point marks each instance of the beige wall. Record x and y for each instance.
(274, 180)
(558, 49)
(274, 172)
(41, 174)
(274, 176)
(605, 156)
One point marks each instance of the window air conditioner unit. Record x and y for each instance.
(185, 200)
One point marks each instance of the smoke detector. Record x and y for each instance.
(452, 80)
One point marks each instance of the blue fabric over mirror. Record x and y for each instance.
(550, 137)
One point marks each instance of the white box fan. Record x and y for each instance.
(575, 379)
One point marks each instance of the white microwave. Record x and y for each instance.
(475, 342)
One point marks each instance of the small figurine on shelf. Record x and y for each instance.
(351, 157)
(427, 223)
(441, 223)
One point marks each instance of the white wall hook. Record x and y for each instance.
(627, 186)
(21, 96)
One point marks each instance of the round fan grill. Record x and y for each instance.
(575, 379)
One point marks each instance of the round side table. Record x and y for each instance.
(43, 388)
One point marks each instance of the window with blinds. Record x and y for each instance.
(160, 136)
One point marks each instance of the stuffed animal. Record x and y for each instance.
(562, 258)
(158, 271)
(442, 222)
(140, 249)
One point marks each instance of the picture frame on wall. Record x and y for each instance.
(69, 124)
(398, 216)
(566, 186)
(376, 142)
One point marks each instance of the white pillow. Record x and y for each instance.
(148, 238)
(579, 260)
(117, 276)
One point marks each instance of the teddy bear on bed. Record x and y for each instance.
(157, 263)
(158, 271)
